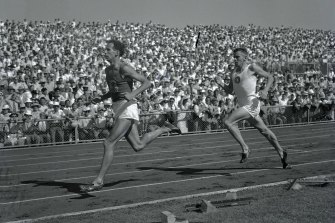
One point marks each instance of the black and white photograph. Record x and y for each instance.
(167, 111)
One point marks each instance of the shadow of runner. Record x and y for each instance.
(198, 171)
(71, 187)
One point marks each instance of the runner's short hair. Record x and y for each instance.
(118, 45)
(241, 49)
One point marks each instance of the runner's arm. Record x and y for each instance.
(145, 83)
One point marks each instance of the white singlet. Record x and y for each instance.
(244, 85)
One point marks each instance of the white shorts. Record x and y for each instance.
(131, 112)
(253, 108)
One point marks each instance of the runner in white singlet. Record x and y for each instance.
(243, 83)
(244, 86)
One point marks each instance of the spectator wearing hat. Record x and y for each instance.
(57, 96)
(306, 102)
(22, 110)
(81, 105)
(198, 115)
(30, 129)
(26, 95)
(68, 94)
(323, 83)
(36, 113)
(108, 109)
(166, 88)
(215, 112)
(67, 106)
(144, 106)
(328, 105)
(80, 90)
(87, 94)
(42, 84)
(56, 123)
(35, 85)
(183, 116)
(207, 115)
(12, 131)
(71, 121)
(28, 104)
(4, 117)
(13, 102)
(43, 128)
(325, 107)
(276, 114)
(297, 109)
(86, 125)
(34, 96)
(314, 108)
(2, 87)
(14, 84)
(5, 112)
(44, 93)
(10, 92)
(101, 124)
(43, 105)
(21, 90)
(50, 82)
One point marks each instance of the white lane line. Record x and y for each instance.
(153, 148)
(160, 183)
(189, 165)
(189, 196)
(99, 158)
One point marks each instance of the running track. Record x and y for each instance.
(43, 181)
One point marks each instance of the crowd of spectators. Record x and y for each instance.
(52, 70)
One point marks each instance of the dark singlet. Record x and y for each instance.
(117, 83)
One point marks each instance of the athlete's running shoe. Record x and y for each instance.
(173, 129)
(244, 157)
(284, 161)
(91, 187)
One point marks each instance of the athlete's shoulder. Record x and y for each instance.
(255, 67)
(124, 66)
(252, 66)
(107, 69)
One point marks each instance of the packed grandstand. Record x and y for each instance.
(50, 72)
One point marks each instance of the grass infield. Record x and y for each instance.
(313, 203)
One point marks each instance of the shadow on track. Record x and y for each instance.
(70, 187)
(198, 171)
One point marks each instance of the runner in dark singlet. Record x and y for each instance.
(120, 78)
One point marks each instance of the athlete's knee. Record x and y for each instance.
(138, 147)
(108, 144)
(228, 124)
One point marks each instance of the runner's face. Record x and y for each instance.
(239, 58)
(111, 53)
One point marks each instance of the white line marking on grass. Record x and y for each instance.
(159, 183)
(113, 208)
(150, 148)
(99, 158)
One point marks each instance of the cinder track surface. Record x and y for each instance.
(43, 181)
